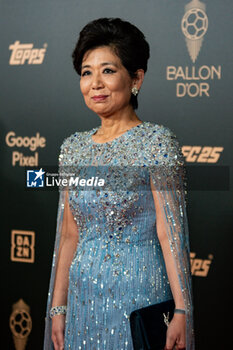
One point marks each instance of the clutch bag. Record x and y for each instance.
(149, 325)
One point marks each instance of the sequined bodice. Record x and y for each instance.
(113, 215)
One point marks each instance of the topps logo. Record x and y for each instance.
(22, 53)
(200, 267)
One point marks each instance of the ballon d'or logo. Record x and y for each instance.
(194, 25)
(20, 324)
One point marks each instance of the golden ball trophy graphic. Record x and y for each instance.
(194, 26)
(20, 324)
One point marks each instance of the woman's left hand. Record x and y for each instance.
(176, 333)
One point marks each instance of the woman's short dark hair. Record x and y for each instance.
(127, 41)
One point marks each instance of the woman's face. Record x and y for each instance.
(105, 83)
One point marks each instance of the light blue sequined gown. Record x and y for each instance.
(118, 265)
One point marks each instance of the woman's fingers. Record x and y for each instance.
(60, 340)
(176, 337)
(170, 342)
(55, 344)
(180, 345)
(181, 341)
(58, 327)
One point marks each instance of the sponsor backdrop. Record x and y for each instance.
(188, 87)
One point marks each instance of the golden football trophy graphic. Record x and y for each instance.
(20, 324)
(194, 26)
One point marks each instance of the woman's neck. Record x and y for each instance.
(114, 124)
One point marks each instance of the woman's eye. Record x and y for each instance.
(108, 70)
(87, 72)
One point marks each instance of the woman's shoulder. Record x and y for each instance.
(70, 145)
(74, 139)
(163, 144)
(159, 132)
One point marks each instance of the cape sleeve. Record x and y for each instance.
(48, 344)
(168, 175)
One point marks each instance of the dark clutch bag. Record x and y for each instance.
(148, 328)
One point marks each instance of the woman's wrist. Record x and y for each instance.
(179, 311)
(59, 298)
(57, 310)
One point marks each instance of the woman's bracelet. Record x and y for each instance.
(57, 310)
(179, 311)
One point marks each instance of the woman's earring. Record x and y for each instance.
(134, 91)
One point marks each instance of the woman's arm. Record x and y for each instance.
(168, 175)
(68, 244)
(176, 331)
(167, 254)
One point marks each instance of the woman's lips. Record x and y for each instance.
(99, 97)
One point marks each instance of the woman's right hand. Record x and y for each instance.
(58, 329)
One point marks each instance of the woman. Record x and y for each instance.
(117, 251)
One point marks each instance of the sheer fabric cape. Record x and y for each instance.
(167, 169)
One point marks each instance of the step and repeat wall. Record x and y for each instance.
(188, 88)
